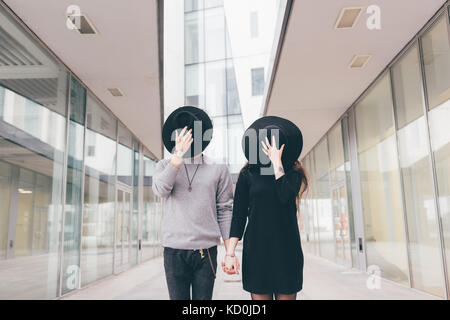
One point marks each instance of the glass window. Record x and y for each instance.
(195, 85)
(436, 54)
(323, 200)
(5, 194)
(152, 213)
(236, 158)
(125, 156)
(254, 29)
(215, 82)
(218, 148)
(194, 37)
(423, 231)
(346, 144)
(32, 144)
(314, 221)
(257, 81)
(233, 102)
(214, 34)
(99, 193)
(73, 207)
(213, 3)
(192, 5)
(380, 186)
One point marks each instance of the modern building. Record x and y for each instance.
(86, 85)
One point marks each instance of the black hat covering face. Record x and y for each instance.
(193, 118)
(284, 131)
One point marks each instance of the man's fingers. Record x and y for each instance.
(274, 143)
(183, 131)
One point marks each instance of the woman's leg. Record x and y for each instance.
(256, 296)
(280, 296)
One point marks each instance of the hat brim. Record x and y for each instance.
(294, 138)
(171, 124)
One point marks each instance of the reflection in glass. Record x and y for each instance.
(436, 52)
(380, 186)
(323, 200)
(73, 207)
(99, 193)
(194, 37)
(215, 34)
(423, 231)
(32, 145)
(151, 215)
(341, 221)
(215, 80)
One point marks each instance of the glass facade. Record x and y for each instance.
(68, 170)
(393, 144)
(224, 66)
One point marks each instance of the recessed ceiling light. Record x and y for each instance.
(24, 191)
(82, 24)
(359, 61)
(116, 92)
(348, 17)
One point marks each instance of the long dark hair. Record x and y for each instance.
(297, 166)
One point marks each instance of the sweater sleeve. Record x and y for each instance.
(240, 206)
(224, 202)
(164, 178)
(288, 186)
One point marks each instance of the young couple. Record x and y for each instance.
(199, 208)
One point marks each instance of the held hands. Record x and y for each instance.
(230, 265)
(183, 141)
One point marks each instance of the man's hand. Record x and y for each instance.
(230, 265)
(183, 142)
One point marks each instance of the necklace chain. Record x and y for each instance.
(187, 175)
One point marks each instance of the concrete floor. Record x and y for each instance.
(322, 280)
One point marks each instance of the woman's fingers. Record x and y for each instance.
(274, 143)
(264, 146)
(268, 143)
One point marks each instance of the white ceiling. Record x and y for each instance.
(124, 54)
(313, 85)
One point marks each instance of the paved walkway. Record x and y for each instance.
(323, 280)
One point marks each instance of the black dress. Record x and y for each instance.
(272, 258)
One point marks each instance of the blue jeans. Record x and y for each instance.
(190, 268)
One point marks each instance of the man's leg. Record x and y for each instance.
(178, 274)
(204, 275)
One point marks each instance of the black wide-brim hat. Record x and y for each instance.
(285, 132)
(193, 118)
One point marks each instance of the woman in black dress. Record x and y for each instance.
(265, 195)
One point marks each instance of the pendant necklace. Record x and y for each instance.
(187, 175)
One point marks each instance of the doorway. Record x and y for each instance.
(122, 247)
(341, 225)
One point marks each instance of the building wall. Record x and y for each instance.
(391, 148)
(76, 203)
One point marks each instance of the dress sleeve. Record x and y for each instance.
(288, 186)
(240, 206)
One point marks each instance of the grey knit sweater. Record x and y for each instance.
(195, 219)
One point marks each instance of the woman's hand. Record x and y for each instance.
(230, 265)
(183, 142)
(274, 155)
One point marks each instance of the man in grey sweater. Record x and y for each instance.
(198, 201)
